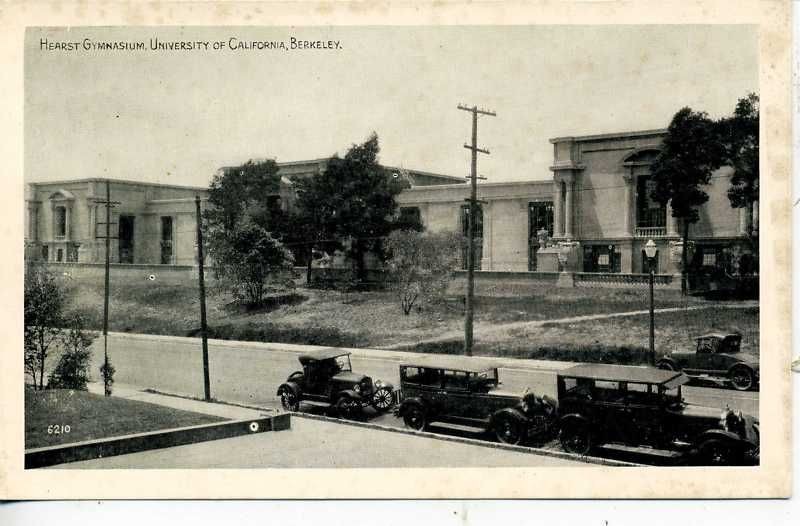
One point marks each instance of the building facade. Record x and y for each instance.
(150, 224)
(596, 211)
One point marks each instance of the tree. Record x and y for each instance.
(247, 258)
(421, 264)
(739, 135)
(352, 202)
(44, 303)
(690, 153)
(244, 221)
(72, 370)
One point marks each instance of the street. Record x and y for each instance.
(250, 373)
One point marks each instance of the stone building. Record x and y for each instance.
(152, 224)
(596, 211)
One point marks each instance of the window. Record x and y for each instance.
(456, 380)
(709, 259)
(410, 217)
(60, 255)
(61, 222)
(422, 376)
(477, 235)
(45, 252)
(166, 240)
(602, 258)
(649, 213)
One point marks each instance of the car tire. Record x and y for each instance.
(346, 407)
(742, 378)
(289, 400)
(576, 438)
(415, 418)
(508, 430)
(383, 399)
(719, 452)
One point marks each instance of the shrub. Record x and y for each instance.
(72, 370)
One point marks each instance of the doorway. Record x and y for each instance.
(126, 229)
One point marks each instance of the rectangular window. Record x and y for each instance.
(166, 240)
(60, 255)
(61, 222)
(422, 376)
(649, 213)
(477, 235)
(456, 380)
(410, 217)
(45, 252)
(602, 258)
(709, 259)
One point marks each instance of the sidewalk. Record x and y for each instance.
(221, 410)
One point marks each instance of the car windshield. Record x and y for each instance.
(343, 362)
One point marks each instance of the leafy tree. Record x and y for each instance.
(740, 139)
(421, 264)
(690, 153)
(44, 303)
(72, 370)
(247, 258)
(351, 202)
(243, 222)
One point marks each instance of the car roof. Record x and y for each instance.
(625, 373)
(720, 335)
(454, 363)
(321, 354)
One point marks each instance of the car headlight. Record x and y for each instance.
(357, 388)
(378, 383)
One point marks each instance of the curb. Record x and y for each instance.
(215, 401)
(471, 441)
(109, 447)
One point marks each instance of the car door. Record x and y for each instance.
(426, 384)
(456, 396)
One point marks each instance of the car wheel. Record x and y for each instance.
(575, 438)
(741, 378)
(383, 399)
(717, 452)
(415, 418)
(346, 407)
(667, 366)
(508, 430)
(289, 400)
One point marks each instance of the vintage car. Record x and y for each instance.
(641, 408)
(327, 377)
(716, 357)
(465, 392)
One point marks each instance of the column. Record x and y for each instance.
(91, 223)
(568, 208)
(743, 221)
(672, 223)
(558, 224)
(627, 222)
(67, 218)
(755, 218)
(33, 222)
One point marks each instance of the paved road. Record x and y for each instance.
(314, 444)
(251, 373)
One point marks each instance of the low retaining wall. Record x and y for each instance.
(109, 447)
(498, 283)
(95, 272)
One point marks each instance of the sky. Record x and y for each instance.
(177, 116)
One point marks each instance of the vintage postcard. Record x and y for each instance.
(336, 251)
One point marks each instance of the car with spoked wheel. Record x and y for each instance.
(641, 411)
(717, 357)
(466, 392)
(327, 378)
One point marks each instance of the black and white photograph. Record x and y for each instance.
(334, 248)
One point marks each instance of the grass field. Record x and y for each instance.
(91, 416)
(374, 319)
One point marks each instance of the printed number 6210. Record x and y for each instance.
(57, 429)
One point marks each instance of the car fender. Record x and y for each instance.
(385, 385)
(668, 360)
(510, 412)
(291, 385)
(573, 418)
(719, 434)
(350, 394)
(745, 365)
(411, 402)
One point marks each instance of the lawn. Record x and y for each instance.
(91, 416)
(327, 317)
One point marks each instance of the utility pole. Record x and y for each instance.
(473, 177)
(203, 328)
(108, 203)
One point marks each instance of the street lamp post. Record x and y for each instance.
(650, 252)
